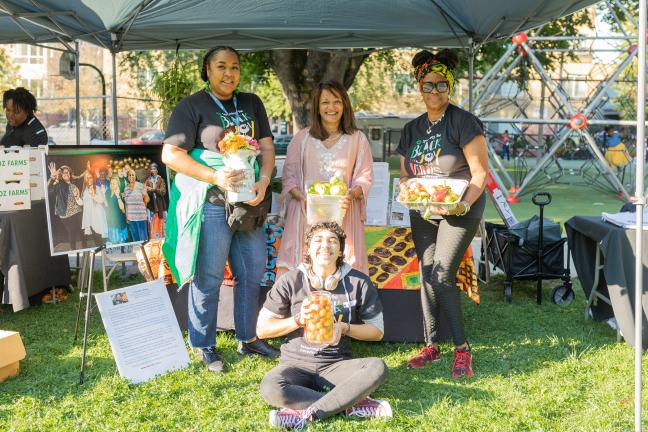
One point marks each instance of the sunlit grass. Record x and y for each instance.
(538, 368)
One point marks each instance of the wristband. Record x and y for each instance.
(348, 329)
(297, 319)
(263, 176)
(213, 177)
(466, 206)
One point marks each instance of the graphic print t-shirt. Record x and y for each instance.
(198, 122)
(439, 153)
(355, 297)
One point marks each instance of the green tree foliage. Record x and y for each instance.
(488, 54)
(285, 79)
(616, 16)
(177, 74)
(8, 71)
(271, 94)
(173, 84)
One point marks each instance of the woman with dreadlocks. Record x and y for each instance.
(444, 141)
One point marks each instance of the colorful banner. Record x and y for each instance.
(393, 263)
(274, 233)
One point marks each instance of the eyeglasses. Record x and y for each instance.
(441, 86)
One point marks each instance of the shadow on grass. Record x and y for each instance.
(519, 337)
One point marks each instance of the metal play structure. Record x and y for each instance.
(567, 118)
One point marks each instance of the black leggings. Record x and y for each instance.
(439, 267)
(326, 389)
(73, 229)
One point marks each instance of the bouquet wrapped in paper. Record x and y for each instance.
(239, 153)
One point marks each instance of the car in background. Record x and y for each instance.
(152, 137)
(281, 142)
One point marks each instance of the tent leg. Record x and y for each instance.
(77, 77)
(113, 99)
(639, 187)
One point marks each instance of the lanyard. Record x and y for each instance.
(222, 107)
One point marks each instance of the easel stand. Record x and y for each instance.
(86, 273)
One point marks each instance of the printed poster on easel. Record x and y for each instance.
(112, 196)
(143, 331)
(15, 192)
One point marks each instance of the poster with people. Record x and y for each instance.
(110, 196)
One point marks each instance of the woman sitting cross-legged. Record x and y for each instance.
(317, 380)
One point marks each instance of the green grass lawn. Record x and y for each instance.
(538, 368)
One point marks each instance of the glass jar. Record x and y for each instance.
(318, 324)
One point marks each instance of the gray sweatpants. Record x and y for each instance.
(325, 388)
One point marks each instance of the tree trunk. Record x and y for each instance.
(299, 71)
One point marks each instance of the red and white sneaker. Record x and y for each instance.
(289, 418)
(427, 356)
(462, 365)
(370, 408)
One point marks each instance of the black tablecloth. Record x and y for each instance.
(401, 312)
(25, 259)
(585, 234)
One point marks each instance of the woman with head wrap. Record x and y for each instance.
(444, 141)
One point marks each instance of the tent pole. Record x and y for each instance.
(77, 114)
(639, 187)
(113, 98)
(471, 72)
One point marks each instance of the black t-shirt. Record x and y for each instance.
(356, 299)
(198, 122)
(439, 152)
(31, 133)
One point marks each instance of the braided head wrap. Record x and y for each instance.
(434, 65)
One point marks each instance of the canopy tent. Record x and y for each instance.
(123, 25)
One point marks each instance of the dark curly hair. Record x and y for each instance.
(446, 56)
(328, 226)
(21, 98)
(208, 56)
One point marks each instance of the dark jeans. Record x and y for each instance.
(506, 152)
(73, 229)
(439, 269)
(325, 388)
(246, 251)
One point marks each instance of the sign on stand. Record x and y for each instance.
(143, 330)
(378, 195)
(14, 180)
(398, 213)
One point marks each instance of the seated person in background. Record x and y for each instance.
(316, 381)
(23, 128)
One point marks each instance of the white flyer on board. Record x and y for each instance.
(398, 213)
(378, 195)
(143, 331)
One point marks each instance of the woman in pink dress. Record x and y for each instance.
(332, 145)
